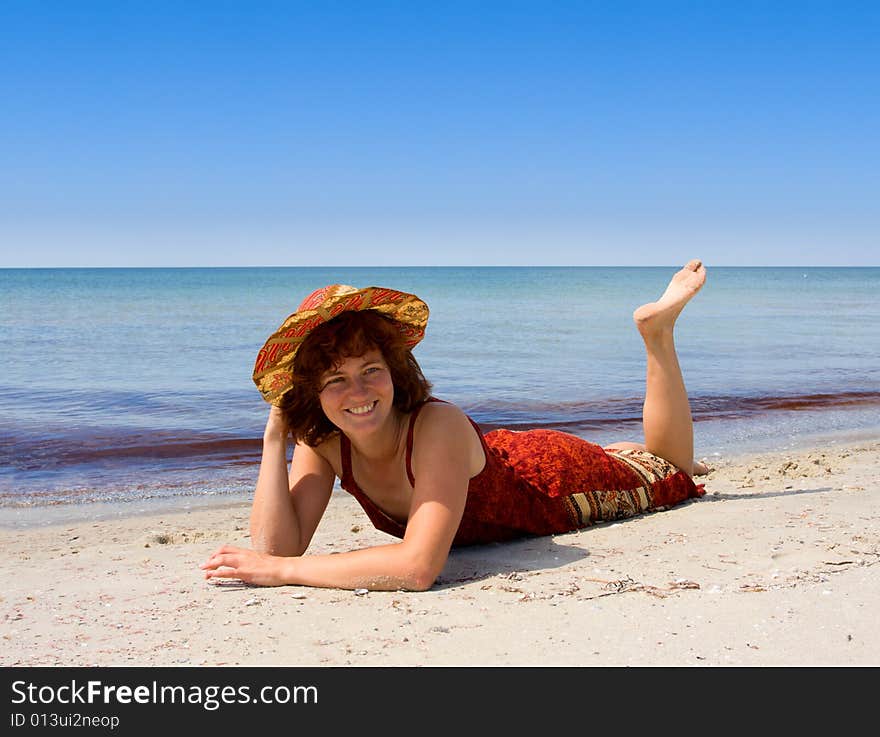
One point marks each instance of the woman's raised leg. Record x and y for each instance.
(666, 415)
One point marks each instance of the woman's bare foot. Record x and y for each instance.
(662, 314)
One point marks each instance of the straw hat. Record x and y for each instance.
(273, 370)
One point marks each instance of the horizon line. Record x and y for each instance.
(455, 266)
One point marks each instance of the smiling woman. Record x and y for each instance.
(344, 384)
(318, 372)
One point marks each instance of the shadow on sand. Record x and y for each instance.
(725, 497)
(478, 562)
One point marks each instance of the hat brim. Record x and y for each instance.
(273, 369)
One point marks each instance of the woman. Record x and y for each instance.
(342, 380)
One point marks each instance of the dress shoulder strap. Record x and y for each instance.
(345, 453)
(409, 440)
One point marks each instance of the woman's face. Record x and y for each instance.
(358, 395)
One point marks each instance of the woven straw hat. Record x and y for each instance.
(273, 370)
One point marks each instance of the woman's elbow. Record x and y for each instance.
(421, 580)
(422, 572)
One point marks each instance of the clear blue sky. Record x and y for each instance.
(408, 133)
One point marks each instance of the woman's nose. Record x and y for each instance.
(358, 386)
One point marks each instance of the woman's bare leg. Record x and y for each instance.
(666, 415)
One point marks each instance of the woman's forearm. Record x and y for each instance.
(274, 525)
(380, 568)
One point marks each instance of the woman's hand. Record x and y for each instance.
(260, 569)
(275, 424)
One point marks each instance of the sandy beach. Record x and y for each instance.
(776, 565)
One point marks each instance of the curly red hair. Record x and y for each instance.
(351, 334)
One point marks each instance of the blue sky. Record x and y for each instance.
(433, 133)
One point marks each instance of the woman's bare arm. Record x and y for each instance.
(442, 468)
(288, 505)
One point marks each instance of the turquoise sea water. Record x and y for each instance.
(121, 384)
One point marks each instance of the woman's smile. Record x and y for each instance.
(364, 409)
(359, 390)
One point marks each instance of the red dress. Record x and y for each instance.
(543, 482)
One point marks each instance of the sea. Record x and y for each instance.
(123, 388)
